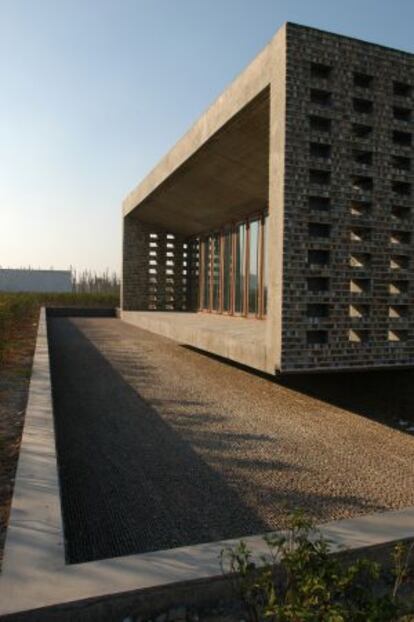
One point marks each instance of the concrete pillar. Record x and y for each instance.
(275, 236)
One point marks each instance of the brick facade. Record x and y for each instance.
(348, 222)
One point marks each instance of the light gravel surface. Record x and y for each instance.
(161, 446)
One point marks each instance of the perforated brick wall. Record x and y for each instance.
(155, 268)
(348, 272)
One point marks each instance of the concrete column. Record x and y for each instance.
(274, 250)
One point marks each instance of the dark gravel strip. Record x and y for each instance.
(129, 482)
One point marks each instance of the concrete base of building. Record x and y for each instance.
(239, 339)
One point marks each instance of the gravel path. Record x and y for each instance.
(161, 446)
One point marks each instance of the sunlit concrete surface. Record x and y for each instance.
(236, 338)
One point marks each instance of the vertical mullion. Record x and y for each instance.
(200, 278)
(233, 275)
(260, 270)
(202, 274)
(246, 270)
(265, 256)
(221, 269)
(232, 271)
(211, 293)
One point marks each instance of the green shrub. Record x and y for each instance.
(300, 580)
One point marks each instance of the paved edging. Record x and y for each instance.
(34, 571)
(35, 532)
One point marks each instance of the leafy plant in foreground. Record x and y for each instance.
(300, 580)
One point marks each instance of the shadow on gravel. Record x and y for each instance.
(386, 396)
(131, 482)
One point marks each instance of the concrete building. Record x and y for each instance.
(20, 280)
(278, 231)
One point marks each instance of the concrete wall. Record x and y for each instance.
(35, 280)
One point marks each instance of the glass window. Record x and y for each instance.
(239, 268)
(227, 270)
(216, 271)
(253, 295)
(206, 273)
(265, 255)
(234, 271)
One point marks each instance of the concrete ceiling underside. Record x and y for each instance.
(225, 180)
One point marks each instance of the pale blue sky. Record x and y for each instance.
(94, 92)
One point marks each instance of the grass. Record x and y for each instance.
(17, 311)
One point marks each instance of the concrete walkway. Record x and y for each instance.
(160, 446)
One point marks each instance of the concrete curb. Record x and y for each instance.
(36, 581)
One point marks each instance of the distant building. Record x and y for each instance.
(51, 281)
(282, 222)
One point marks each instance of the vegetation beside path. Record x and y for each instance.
(19, 311)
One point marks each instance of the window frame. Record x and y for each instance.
(231, 229)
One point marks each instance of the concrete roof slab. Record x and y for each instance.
(226, 179)
(229, 112)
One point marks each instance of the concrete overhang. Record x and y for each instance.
(226, 179)
(219, 170)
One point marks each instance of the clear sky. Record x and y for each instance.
(94, 92)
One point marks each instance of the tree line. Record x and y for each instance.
(90, 281)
